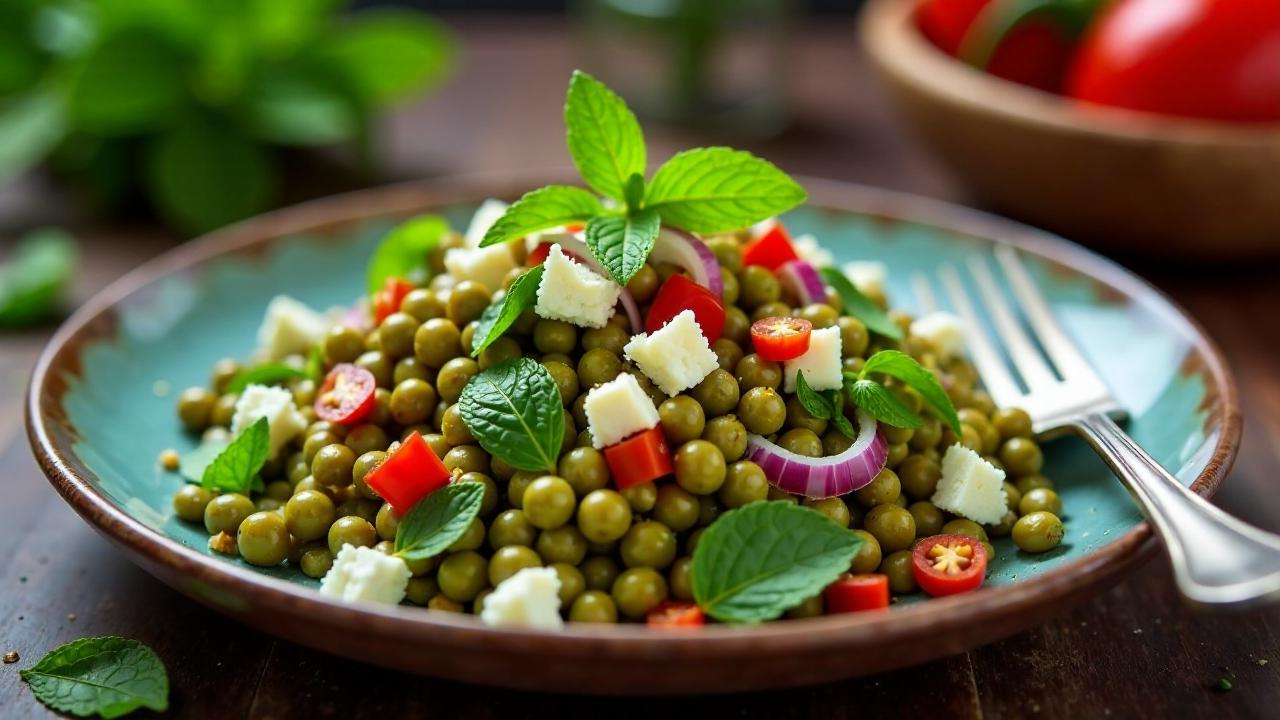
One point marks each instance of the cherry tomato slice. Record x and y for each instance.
(678, 294)
(854, 593)
(641, 458)
(781, 338)
(675, 614)
(772, 250)
(388, 299)
(411, 472)
(346, 396)
(948, 564)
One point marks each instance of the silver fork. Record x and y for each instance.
(1217, 560)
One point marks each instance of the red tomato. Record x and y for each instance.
(346, 396)
(678, 294)
(641, 458)
(853, 593)
(948, 564)
(781, 338)
(1035, 51)
(1213, 59)
(675, 614)
(539, 253)
(388, 299)
(945, 22)
(408, 474)
(772, 249)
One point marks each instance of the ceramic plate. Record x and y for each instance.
(97, 421)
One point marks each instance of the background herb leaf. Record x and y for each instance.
(404, 250)
(902, 366)
(270, 373)
(859, 305)
(130, 82)
(35, 279)
(546, 207)
(622, 243)
(236, 468)
(296, 105)
(514, 411)
(879, 402)
(603, 136)
(522, 294)
(438, 520)
(717, 189)
(816, 404)
(30, 125)
(385, 55)
(107, 676)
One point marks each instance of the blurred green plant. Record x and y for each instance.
(35, 278)
(188, 102)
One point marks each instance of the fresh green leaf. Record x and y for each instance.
(387, 55)
(522, 294)
(515, 412)
(280, 26)
(634, 192)
(718, 189)
(902, 366)
(879, 402)
(622, 243)
(106, 676)
(438, 520)
(860, 306)
(270, 373)
(34, 280)
(838, 418)
(755, 562)
(315, 363)
(129, 83)
(404, 250)
(546, 207)
(810, 399)
(291, 105)
(603, 135)
(31, 126)
(236, 468)
(193, 465)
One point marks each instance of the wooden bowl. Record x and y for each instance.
(1126, 182)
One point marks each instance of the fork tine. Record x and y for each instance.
(1071, 365)
(1035, 372)
(925, 302)
(991, 367)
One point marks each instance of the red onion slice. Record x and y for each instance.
(683, 249)
(803, 281)
(632, 311)
(823, 477)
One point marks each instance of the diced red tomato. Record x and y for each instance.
(388, 299)
(781, 338)
(411, 472)
(772, 249)
(641, 458)
(678, 294)
(675, 614)
(539, 253)
(575, 227)
(854, 593)
(346, 396)
(948, 564)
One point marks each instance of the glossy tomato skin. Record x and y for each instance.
(678, 294)
(641, 458)
(1036, 52)
(387, 300)
(856, 593)
(781, 338)
(961, 578)
(675, 614)
(1209, 59)
(347, 395)
(411, 472)
(946, 22)
(771, 250)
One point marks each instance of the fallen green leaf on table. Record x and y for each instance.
(35, 278)
(105, 676)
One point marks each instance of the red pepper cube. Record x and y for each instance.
(410, 473)
(387, 300)
(675, 614)
(641, 458)
(772, 250)
(854, 593)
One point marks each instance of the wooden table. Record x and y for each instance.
(1132, 652)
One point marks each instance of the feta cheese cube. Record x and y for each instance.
(970, 486)
(676, 356)
(483, 219)
(867, 275)
(289, 327)
(821, 363)
(617, 410)
(364, 574)
(807, 247)
(488, 266)
(528, 599)
(942, 330)
(276, 405)
(574, 293)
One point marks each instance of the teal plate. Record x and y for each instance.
(98, 417)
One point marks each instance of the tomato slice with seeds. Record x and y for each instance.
(388, 299)
(781, 338)
(948, 564)
(639, 459)
(678, 294)
(409, 473)
(675, 614)
(772, 250)
(346, 397)
(854, 593)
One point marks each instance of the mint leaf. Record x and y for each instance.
(132, 81)
(879, 402)
(106, 676)
(622, 244)
(522, 294)
(718, 189)
(514, 411)
(31, 125)
(193, 464)
(860, 306)
(900, 365)
(265, 374)
(387, 55)
(634, 192)
(754, 562)
(33, 282)
(546, 207)
(292, 104)
(842, 424)
(809, 398)
(404, 249)
(438, 520)
(604, 138)
(236, 467)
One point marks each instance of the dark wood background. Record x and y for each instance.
(1132, 652)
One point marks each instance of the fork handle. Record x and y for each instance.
(1217, 560)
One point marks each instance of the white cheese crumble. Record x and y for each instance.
(676, 356)
(289, 327)
(488, 266)
(617, 410)
(483, 219)
(528, 599)
(276, 405)
(807, 247)
(821, 363)
(970, 486)
(572, 292)
(867, 275)
(364, 574)
(942, 330)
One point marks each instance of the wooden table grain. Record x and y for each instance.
(1134, 651)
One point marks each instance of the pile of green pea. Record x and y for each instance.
(618, 553)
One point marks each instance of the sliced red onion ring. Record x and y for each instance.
(804, 281)
(357, 317)
(823, 477)
(632, 311)
(680, 248)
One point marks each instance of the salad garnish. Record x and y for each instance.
(437, 521)
(514, 411)
(236, 468)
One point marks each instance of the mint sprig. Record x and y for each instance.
(860, 306)
(515, 412)
(827, 405)
(236, 468)
(106, 676)
(622, 244)
(438, 520)
(902, 366)
(269, 373)
(717, 189)
(493, 323)
(603, 135)
(880, 402)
